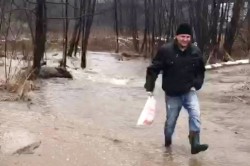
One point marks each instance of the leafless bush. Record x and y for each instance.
(17, 64)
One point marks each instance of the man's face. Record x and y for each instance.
(183, 40)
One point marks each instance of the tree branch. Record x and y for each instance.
(24, 9)
(84, 15)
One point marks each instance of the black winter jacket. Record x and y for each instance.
(181, 70)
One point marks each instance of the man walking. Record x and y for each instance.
(183, 71)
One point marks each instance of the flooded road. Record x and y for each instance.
(109, 96)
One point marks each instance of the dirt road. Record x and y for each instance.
(91, 120)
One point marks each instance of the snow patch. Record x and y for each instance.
(229, 63)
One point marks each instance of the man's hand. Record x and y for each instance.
(150, 94)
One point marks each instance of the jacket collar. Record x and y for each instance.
(176, 47)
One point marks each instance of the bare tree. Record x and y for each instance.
(65, 41)
(40, 35)
(214, 21)
(199, 17)
(248, 26)
(3, 5)
(29, 19)
(120, 13)
(87, 23)
(153, 29)
(79, 29)
(224, 11)
(144, 46)
(8, 21)
(133, 24)
(170, 31)
(233, 26)
(74, 41)
(116, 25)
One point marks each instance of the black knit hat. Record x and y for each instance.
(184, 28)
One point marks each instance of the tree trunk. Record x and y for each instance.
(215, 15)
(29, 20)
(76, 29)
(248, 26)
(119, 4)
(146, 27)
(170, 33)
(233, 26)
(222, 21)
(40, 35)
(90, 9)
(133, 24)
(79, 33)
(153, 30)
(160, 17)
(200, 22)
(116, 26)
(83, 56)
(65, 36)
(73, 39)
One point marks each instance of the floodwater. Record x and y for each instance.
(109, 94)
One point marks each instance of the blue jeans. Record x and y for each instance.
(174, 104)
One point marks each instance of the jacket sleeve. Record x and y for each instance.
(153, 70)
(200, 72)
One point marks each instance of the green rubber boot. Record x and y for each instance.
(196, 147)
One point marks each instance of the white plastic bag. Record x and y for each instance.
(148, 113)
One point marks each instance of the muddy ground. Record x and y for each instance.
(91, 120)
